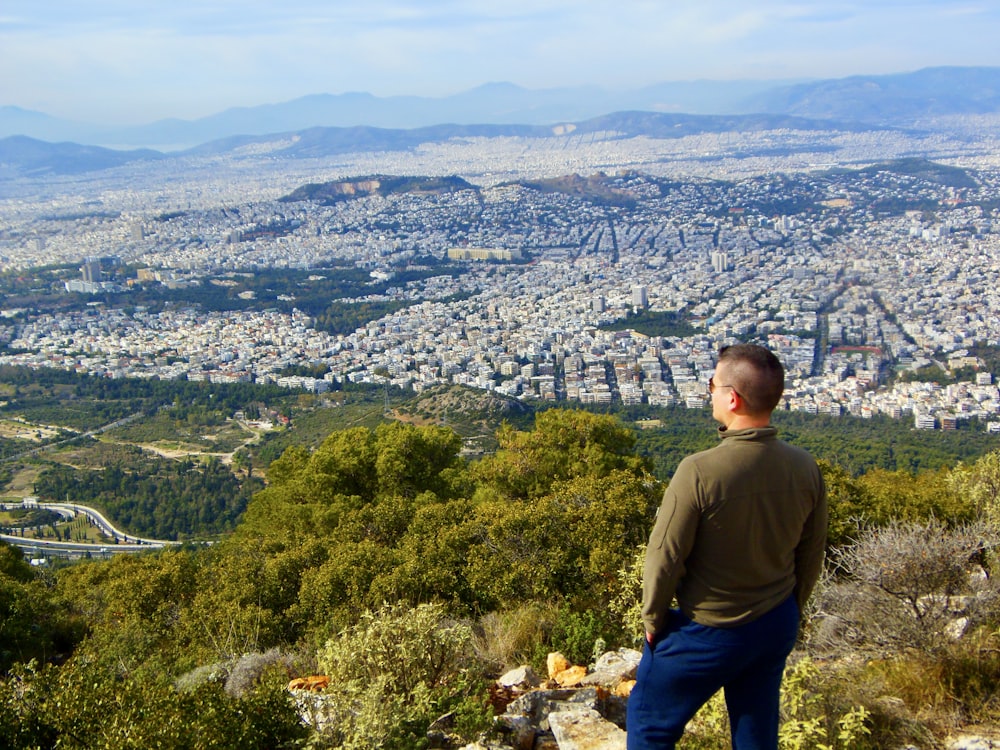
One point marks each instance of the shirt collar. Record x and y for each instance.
(748, 433)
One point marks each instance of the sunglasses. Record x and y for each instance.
(712, 386)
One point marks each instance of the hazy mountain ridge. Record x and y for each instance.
(889, 99)
(305, 127)
(28, 156)
(498, 103)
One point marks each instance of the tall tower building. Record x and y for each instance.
(720, 262)
(640, 300)
(91, 271)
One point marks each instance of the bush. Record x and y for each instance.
(581, 635)
(84, 706)
(954, 687)
(248, 670)
(813, 717)
(626, 602)
(393, 673)
(911, 585)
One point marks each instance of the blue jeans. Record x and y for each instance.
(688, 663)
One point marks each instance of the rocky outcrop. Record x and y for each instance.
(314, 683)
(571, 708)
(576, 708)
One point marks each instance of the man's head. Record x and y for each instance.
(753, 380)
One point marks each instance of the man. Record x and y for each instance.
(739, 541)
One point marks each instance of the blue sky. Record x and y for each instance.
(135, 61)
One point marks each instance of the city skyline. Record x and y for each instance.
(121, 63)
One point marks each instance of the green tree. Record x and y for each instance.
(978, 485)
(564, 444)
(132, 604)
(84, 705)
(13, 565)
(847, 504)
(413, 459)
(35, 624)
(901, 496)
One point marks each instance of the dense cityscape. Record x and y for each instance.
(855, 276)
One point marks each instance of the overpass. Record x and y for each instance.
(119, 541)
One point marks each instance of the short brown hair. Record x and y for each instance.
(757, 375)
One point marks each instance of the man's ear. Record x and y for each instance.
(734, 401)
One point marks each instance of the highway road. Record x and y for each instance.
(119, 543)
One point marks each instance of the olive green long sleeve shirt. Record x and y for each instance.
(741, 528)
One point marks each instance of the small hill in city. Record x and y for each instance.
(598, 188)
(941, 174)
(328, 193)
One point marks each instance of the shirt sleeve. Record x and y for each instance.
(669, 545)
(811, 548)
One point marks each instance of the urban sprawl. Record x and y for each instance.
(852, 276)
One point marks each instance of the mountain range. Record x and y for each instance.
(33, 142)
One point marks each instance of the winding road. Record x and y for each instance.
(120, 541)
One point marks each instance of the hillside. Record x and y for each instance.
(382, 551)
(329, 193)
(28, 156)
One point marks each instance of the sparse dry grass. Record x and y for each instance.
(955, 689)
(509, 639)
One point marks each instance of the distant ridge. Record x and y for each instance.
(893, 100)
(21, 155)
(28, 156)
(889, 99)
(314, 142)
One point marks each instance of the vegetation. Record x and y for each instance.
(651, 323)
(926, 170)
(598, 189)
(154, 497)
(329, 295)
(855, 444)
(398, 669)
(377, 553)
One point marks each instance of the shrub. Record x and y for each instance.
(954, 687)
(393, 673)
(979, 485)
(247, 671)
(626, 602)
(581, 635)
(808, 723)
(810, 718)
(86, 706)
(912, 585)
